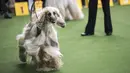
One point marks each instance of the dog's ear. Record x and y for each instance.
(43, 15)
(47, 14)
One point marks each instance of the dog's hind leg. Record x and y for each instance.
(22, 54)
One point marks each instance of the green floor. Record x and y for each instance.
(93, 54)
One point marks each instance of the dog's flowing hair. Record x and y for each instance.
(39, 40)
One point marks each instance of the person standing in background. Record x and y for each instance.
(89, 30)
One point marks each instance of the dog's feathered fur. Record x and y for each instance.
(39, 40)
(68, 8)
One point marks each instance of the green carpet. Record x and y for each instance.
(93, 54)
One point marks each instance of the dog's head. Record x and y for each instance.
(51, 14)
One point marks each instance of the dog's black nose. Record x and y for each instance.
(53, 21)
(63, 26)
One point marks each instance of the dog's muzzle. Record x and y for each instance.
(61, 22)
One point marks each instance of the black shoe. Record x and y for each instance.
(109, 34)
(1, 12)
(7, 15)
(87, 34)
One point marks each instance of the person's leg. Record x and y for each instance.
(83, 3)
(107, 17)
(43, 4)
(89, 30)
(4, 8)
(3, 5)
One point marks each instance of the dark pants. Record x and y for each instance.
(93, 13)
(3, 6)
(83, 2)
(43, 4)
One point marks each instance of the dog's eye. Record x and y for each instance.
(49, 14)
(58, 15)
(54, 13)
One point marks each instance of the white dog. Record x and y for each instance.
(39, 40)
(68, 8)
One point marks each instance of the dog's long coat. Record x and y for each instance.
(39, 38)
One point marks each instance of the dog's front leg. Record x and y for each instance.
(22, 54)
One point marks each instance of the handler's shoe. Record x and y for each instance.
(109, 34)
(7, 15)
(87, 34)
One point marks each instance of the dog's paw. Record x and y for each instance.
(44, 69)
(47, 69)
(39, 69)
(23, 62)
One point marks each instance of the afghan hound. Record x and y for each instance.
(68, 8)
(40, 41)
